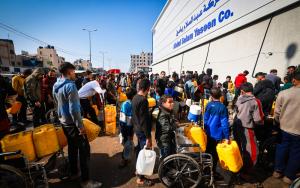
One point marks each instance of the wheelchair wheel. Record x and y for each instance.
(10, 177)
(179, 170)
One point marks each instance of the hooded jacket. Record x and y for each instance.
(32, 86)
(165, 127)
(66, 97)
(239, 80)
(216, 121)
(249, 111)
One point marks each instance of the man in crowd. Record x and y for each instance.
(111, 95)
(276, 80)
(88, 77)
(18, 86)
(86, 93)
(239, 80)
(68, 109)
(287, 113)
(33, 94)
(249, 115)
(264, 90)
(47, 85)
(142, 123)
(5, 90)
(207, 83)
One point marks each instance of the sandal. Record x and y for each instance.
(145, 183)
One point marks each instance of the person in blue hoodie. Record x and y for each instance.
(68, 109)
(216, 123)
(126, 127)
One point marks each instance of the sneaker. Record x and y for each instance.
(277, 174)
(91, 184)
(287, 180)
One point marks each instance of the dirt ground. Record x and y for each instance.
(106, 156)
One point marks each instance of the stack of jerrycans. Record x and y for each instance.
(110, 119)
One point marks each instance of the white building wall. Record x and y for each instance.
(283, 33)
(238, 51)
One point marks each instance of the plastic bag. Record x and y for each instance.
(145, 162)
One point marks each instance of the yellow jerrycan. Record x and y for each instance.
(96, 109)
(15, 108)
(111, 128)
(110, 113)
(197, 135)
(151, 102)
(92, 130)
(122, 97)
(45, 140)
(229, 156)
(62, 139)
(19, 141)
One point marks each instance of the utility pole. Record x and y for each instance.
(102, 52)
(90, 41)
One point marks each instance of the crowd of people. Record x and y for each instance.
(74, 96)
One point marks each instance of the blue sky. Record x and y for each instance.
(124, 27)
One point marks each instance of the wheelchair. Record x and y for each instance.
(187, 168)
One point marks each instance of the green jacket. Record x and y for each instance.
(32, 86)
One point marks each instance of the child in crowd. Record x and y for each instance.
(165, 126)
(216, 123)
(126, 127)
(249, 114)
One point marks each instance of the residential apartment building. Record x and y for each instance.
(7, 55)
(49, 57)
(141, 62)
(82, 64)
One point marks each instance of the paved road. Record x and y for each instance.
(105, 157)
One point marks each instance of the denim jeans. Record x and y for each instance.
(287, 158)
(141, 144)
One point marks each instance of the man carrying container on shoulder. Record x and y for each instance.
(68, 109)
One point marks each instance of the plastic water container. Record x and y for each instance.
(229, 97)
(145, 162)
(62, 139)
(205, 102)
(110, 113)
(45, 140)
(92, 130)
(96, 109)
(194, 113)
(198, 136)
(178, 89)
(122, 97)
(230, 156)
(151, 102)
(15, 108)
(273, 109)
(111, 128)
(19, 141)
(188, 102)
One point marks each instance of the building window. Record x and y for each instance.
(11, 51)
(40, 52)
(50, 55)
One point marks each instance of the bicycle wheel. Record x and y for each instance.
(10, 177)
(179, 170)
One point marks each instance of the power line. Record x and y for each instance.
(36, 40)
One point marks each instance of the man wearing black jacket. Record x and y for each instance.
(264, 90)
(142, 123)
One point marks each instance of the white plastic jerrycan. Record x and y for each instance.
(145, 162)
